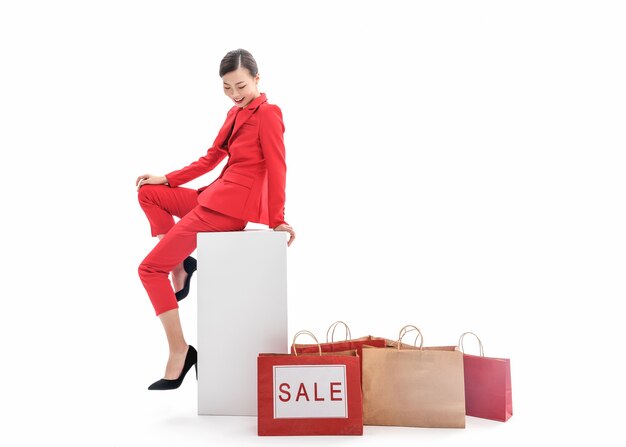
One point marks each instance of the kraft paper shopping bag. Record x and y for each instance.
(413, 387)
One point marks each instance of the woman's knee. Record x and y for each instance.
(147, 268)
(152, 266)
(146, 192)
(143, 270)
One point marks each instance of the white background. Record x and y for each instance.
(457, 165)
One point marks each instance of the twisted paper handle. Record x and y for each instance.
(404, 331)
(293, 344)
(333, 327)
(480, 343)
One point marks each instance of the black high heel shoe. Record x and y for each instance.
(191, 359)
(190, 264)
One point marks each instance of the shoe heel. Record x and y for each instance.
(196, 365)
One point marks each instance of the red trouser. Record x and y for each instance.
(161, 203)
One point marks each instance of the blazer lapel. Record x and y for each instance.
(224, 134)
(237, 116)
(244, 114)
(242, 117)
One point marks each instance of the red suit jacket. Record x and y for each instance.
(252, 184)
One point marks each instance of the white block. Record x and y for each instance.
(242, 311)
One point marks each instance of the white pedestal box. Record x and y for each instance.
(242, 310)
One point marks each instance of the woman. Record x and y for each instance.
(250, 188)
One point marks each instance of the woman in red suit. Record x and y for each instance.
(250, 188)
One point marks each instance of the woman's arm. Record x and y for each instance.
(203, 165)
(271, 129)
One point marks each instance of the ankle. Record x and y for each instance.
(179, 350)
(178, 271)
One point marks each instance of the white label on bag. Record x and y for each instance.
(310, 391)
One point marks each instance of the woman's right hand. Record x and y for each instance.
(149, 179)
(288, 228)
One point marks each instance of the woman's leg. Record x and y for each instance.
(170, 251)
(161, 203)
(176, 342)
(179, 274)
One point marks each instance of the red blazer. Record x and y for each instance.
(252, 184)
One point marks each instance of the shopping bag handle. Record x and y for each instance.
(419, 335)
(333, 327)
(293, 345)
(480, 343)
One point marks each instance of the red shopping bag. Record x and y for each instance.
(488, 392)
(346, 345)
(309, 394)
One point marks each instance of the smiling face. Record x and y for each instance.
(241, 86)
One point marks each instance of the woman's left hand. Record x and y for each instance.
(289, 229)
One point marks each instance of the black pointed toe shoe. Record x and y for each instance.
(191, 359)
(190, 264)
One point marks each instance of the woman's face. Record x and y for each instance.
(240, 86)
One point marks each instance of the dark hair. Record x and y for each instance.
(238, 58)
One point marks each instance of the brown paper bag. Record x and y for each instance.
(413, 387)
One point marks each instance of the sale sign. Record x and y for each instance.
(309, 394)
(312, 391)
